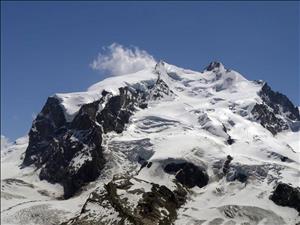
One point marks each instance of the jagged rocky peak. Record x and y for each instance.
(276, 112)
(215, 67)
(279, 103)
(70, 152)
(47, 121)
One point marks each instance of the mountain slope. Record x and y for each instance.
(162, 146)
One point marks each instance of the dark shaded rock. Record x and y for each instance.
(70, 153)
(156, 207)
(237, 174)
(284, 158)
(160, 90)
(277, 113)
(268, 119)
(143, 105)
(56, 143)
(241, 176)
(227, 164)
(161, 197)
(230, 141)
(104, 93)
(117, 111)
(286, 195)
(86, 116)
(144, 164)
(47, 121)
(75, 160)
(213, 66)
(234, 172)
(239, 171)
(279, 102)
(188, 174)
(149, 164)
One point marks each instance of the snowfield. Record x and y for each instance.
(194, 124)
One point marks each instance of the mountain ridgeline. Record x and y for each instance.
(167, 145)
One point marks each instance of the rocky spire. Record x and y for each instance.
(215, 66)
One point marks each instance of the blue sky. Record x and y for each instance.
(47, 47)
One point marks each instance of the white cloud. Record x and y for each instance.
(118, 60)
(4, 143)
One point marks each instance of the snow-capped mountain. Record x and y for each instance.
(164, 145)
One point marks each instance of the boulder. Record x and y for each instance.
(188, 174)
(286, 195)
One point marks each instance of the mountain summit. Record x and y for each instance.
(215, 66)
(164, 145)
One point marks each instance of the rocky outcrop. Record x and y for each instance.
(234, 171)
(214, 66)
(159, 206)
(67, 153)
(277, 112)
(226, 164)
(70, 153)
(43, 128)
(237, 173)
(279, 103)
(188, 174)
(118, 110)
(268, 119)
(286, 195)
(143, 204)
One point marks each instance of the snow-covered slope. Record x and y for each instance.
(198, 148)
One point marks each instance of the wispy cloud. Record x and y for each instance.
(118, 60)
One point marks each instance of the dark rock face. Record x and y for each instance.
(277, 113)
(44, 126)
(268, 119)
(188, 174)
(279, 102)
(158, 206)
(160, 90)
(237, 174)
(160, 196)
(227, 164)
(70, 153)
(213, 66)
(117, 111)
(286, 195)
(230, 141)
